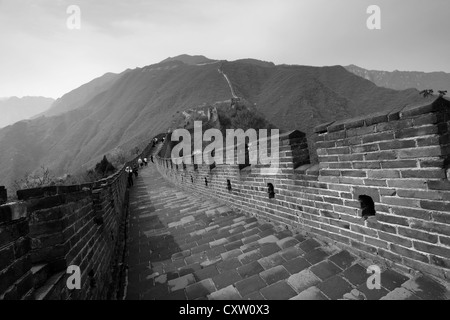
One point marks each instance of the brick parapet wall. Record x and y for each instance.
(54, 227)
(399, 158)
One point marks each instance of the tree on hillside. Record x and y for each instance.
(427, 92)
(104, 167)
(40, 178)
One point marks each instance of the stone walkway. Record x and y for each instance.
(185, 247)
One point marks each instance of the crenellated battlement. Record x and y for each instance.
(52, 228)
(398, 158)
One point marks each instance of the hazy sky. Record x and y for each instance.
(40, 55)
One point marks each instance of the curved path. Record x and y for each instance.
(185, 247)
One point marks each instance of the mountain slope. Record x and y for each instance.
(401, 80)
(82, 95)
(142, 103)
(15, 109)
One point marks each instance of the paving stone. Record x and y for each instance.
(287, 242)
(427, 289)
(161, 279)
(228, 293)
(250, 247)
(200, 289)
(268, 239)
(231, 254)
(291, 253)
(250, 237)
(315, 256)
(372, 294)
(303, 280)
(226, 278)
(325, 270)
(181, 255)
(342, 259)
(219, 242)
(181, 283)
(250, 285)
(335, 287)
(265, 227)
(356, 275)
(296, 265)
(250, 256)
(215, 252)
(300, 237)
(229, 264)
(206, 273)
(250, 269)
(309, 245)
(271, 261)
(274, 274)
(283, 234)
(189, 269)
(278, 291)
(201, 248)
(312, 293)
(391, 279)
(208, 262)
(233, 245)
(196, 258)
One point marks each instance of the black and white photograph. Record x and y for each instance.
(208, 157)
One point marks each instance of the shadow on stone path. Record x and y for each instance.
(185, 247)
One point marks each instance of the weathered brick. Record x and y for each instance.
(420, 152)
(397, 201)
(364, 149)
(399, 164)
(407, 184)
(409, 212)
(419, 235)
(439, 185)
(430, 248)
(383, 174)
(435, 205)
(427, 174)
(367, 165)
(443, 229)
(397, 144)
(395, 239)
(408, 253)
(378, 137)
(382, 155)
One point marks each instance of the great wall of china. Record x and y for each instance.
(398, 158)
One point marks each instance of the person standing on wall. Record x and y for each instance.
(130, 176)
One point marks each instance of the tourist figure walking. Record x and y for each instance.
(130, 176)
(140, 163)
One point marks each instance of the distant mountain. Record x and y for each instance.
(189, 60)
(129, 109)
(401, 80)
(14, 109)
